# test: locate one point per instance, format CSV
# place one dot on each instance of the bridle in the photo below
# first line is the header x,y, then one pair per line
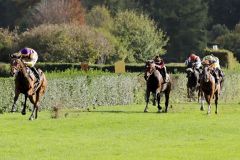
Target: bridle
x,y
206,74
150,68
15,66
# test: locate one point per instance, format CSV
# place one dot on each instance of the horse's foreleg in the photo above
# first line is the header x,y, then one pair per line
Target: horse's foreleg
x,y
158,101
14,106
24,105
33,101
202,100
208,99
37,104
166,101
154,99
216,102
188,92
147,100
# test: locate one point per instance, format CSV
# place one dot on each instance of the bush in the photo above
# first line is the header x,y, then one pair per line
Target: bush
x,y
6,44
4,70
66,43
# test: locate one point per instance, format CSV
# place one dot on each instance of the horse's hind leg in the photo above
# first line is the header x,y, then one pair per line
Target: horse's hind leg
x,y
166,102
147,100
24,105
158,101
37,104
14,106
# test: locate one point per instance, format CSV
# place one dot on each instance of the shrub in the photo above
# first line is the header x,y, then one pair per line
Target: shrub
x,y
6,44
139,37
66,43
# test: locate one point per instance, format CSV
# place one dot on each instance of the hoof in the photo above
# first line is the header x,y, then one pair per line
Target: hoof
x,y
202,109
159,111
23,113
145,110
31,119
12,111
216,112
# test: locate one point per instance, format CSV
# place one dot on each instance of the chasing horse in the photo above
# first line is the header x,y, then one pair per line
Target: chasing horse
x,y
26,81
156,84
209,87
193,71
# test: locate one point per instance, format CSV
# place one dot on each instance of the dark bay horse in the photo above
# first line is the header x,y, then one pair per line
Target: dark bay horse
x,y
193,83
24,83
209,89
156,85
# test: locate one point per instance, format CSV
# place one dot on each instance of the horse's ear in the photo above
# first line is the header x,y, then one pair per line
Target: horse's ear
x,y
11,56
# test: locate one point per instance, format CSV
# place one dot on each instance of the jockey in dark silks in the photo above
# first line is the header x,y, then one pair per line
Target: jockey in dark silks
x,y
160,66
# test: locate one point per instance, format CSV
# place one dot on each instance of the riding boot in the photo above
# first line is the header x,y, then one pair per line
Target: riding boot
x,y
216,76
36,74
164,74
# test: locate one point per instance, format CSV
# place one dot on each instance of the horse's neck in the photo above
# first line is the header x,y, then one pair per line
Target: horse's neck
x,y
24,71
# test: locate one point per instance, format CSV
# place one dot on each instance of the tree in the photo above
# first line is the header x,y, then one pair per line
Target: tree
x,y
217,30
100,17
231,41
57,12
12,11
184,21
139,35
225,12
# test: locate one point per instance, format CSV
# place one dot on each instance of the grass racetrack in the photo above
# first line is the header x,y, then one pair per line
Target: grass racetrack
x,y
123,132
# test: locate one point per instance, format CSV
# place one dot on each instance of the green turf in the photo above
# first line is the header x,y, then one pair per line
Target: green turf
x,y
122,133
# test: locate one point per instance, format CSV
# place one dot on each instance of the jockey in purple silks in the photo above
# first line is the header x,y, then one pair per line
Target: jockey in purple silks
x,y
29,57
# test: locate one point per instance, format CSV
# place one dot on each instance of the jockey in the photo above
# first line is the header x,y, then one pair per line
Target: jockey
x,y
193,61
214,65
160,66
29,57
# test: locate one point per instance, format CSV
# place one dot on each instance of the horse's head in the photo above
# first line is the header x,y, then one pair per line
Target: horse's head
x,y
15,66
189,72
149,69
206,74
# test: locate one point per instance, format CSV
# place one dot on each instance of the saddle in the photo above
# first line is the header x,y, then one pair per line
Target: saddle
x,y
34,74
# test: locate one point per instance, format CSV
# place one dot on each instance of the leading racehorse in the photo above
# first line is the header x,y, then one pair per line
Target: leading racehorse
x,y
24,83
209,89
156,85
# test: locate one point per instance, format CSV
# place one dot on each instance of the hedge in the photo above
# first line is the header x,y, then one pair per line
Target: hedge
x,y
51,67
111,89
226,58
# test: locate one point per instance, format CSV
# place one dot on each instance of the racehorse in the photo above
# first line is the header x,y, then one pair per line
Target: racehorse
x,y
24,83
193,83
209,89
156,85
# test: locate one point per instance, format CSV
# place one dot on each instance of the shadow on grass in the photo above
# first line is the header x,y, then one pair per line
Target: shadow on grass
x,y
123,112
